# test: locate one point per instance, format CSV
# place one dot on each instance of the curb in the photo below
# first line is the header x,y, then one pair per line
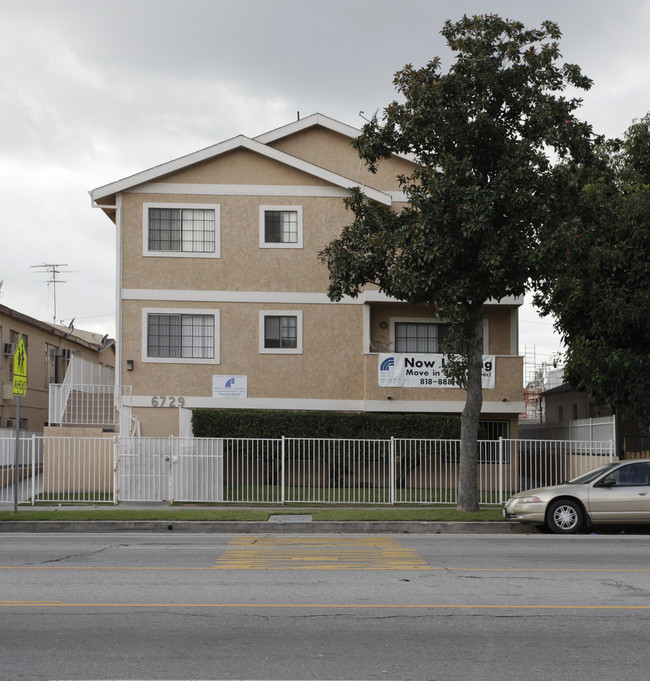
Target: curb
x,y
267,527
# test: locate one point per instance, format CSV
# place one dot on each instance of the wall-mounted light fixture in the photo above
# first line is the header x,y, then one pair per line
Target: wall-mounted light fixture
x,y
129,365
383,325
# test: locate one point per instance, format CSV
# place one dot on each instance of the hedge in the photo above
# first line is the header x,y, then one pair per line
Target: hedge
x,y
254,423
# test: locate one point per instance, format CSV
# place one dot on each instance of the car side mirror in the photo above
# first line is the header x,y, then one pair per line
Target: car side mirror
x,y
606,482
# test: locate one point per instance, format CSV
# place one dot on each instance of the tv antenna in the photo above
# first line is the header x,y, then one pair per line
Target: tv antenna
x,y
52,269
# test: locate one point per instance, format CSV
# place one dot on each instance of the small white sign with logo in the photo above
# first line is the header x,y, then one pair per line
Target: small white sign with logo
x,y
229,387
420,370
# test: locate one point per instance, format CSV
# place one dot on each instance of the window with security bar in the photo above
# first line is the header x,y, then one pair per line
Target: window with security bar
x,y
188,336
280,226
182,230
420,336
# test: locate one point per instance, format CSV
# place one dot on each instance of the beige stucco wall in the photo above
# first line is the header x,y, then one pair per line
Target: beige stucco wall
x,y
328,368
243,265
334,151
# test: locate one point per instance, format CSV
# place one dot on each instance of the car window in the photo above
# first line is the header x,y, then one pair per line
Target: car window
x,y
631,475
593,474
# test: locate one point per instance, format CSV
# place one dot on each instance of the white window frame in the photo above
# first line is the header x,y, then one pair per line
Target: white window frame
x,y
146,311
281,313
264,243
181,254
429,320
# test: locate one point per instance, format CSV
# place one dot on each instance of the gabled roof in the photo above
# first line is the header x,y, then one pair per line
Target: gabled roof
x,y
257,145
309,122
89,339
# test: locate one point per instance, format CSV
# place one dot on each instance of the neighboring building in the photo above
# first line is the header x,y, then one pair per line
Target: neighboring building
x,y
569,414
221,299
50,350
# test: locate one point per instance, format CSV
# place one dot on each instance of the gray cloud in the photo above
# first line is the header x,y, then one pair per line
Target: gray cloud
x,y
94,91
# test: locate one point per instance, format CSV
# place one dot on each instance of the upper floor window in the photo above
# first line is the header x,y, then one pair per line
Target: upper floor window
x,y
281,226
181,335
181,230
281,332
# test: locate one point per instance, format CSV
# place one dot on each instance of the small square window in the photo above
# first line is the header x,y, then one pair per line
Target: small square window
x,y
280,226
281,332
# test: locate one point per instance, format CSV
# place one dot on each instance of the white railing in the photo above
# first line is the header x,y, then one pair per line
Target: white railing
x,y
86,404
285,470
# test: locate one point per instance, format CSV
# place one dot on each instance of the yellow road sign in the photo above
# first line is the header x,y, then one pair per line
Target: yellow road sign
x,y
20,369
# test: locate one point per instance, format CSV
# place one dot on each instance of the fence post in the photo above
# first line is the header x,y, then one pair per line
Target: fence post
x,y
116,460
171,475
611,450
392,470
282,463
33,468
500,470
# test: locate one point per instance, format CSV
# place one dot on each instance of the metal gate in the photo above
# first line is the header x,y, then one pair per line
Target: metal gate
x,y
169,469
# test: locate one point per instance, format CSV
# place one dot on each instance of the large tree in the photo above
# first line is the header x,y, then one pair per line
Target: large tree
x,y
600,295
487,137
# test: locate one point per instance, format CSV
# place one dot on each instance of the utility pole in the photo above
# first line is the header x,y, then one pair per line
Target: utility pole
x,y
52,270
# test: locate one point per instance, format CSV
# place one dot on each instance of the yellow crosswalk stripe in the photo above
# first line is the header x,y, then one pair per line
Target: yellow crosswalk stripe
x,y
319,553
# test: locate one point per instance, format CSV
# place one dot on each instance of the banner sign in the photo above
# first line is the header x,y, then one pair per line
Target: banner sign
x,y
420,370
229,387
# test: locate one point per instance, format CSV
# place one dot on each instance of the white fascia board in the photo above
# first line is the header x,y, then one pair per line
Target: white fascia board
x,y
323,121
166,168
308,122
240,142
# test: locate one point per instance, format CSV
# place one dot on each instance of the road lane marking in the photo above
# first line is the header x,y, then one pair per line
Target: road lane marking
x,y
210,568
322,606
319,553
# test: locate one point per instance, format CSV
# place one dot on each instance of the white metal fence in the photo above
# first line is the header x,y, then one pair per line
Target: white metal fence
x,y
282,471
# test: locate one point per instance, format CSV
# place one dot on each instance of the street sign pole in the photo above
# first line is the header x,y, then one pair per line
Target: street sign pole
x,y
20,388
16,454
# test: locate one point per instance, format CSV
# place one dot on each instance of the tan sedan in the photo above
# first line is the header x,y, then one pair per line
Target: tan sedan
x,y
618,492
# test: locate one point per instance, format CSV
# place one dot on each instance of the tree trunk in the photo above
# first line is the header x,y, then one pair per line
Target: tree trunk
x,y
468,485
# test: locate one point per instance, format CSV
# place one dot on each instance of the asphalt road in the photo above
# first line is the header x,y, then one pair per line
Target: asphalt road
x,y
418,607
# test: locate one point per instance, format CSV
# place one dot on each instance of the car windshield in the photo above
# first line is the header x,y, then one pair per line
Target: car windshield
x,y
592,475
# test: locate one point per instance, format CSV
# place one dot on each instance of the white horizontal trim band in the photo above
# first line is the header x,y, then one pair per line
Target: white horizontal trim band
x,y
446,407
232,297
267,297
239,190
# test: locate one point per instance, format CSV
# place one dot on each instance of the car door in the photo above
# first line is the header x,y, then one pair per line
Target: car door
x,y
627,499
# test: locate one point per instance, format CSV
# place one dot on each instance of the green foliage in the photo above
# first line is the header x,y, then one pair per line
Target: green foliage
x,y
483,191
599,289
249,423
483,184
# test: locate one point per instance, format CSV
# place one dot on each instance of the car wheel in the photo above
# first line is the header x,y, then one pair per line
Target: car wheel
x,y
564,517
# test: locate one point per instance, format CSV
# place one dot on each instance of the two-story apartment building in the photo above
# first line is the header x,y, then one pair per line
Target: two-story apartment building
x,y
50,349
221,297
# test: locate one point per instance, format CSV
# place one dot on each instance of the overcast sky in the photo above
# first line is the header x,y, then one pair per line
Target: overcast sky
x,y
91,92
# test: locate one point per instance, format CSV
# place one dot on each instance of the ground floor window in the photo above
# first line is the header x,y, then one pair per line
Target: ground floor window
x,y
280,332
181,335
